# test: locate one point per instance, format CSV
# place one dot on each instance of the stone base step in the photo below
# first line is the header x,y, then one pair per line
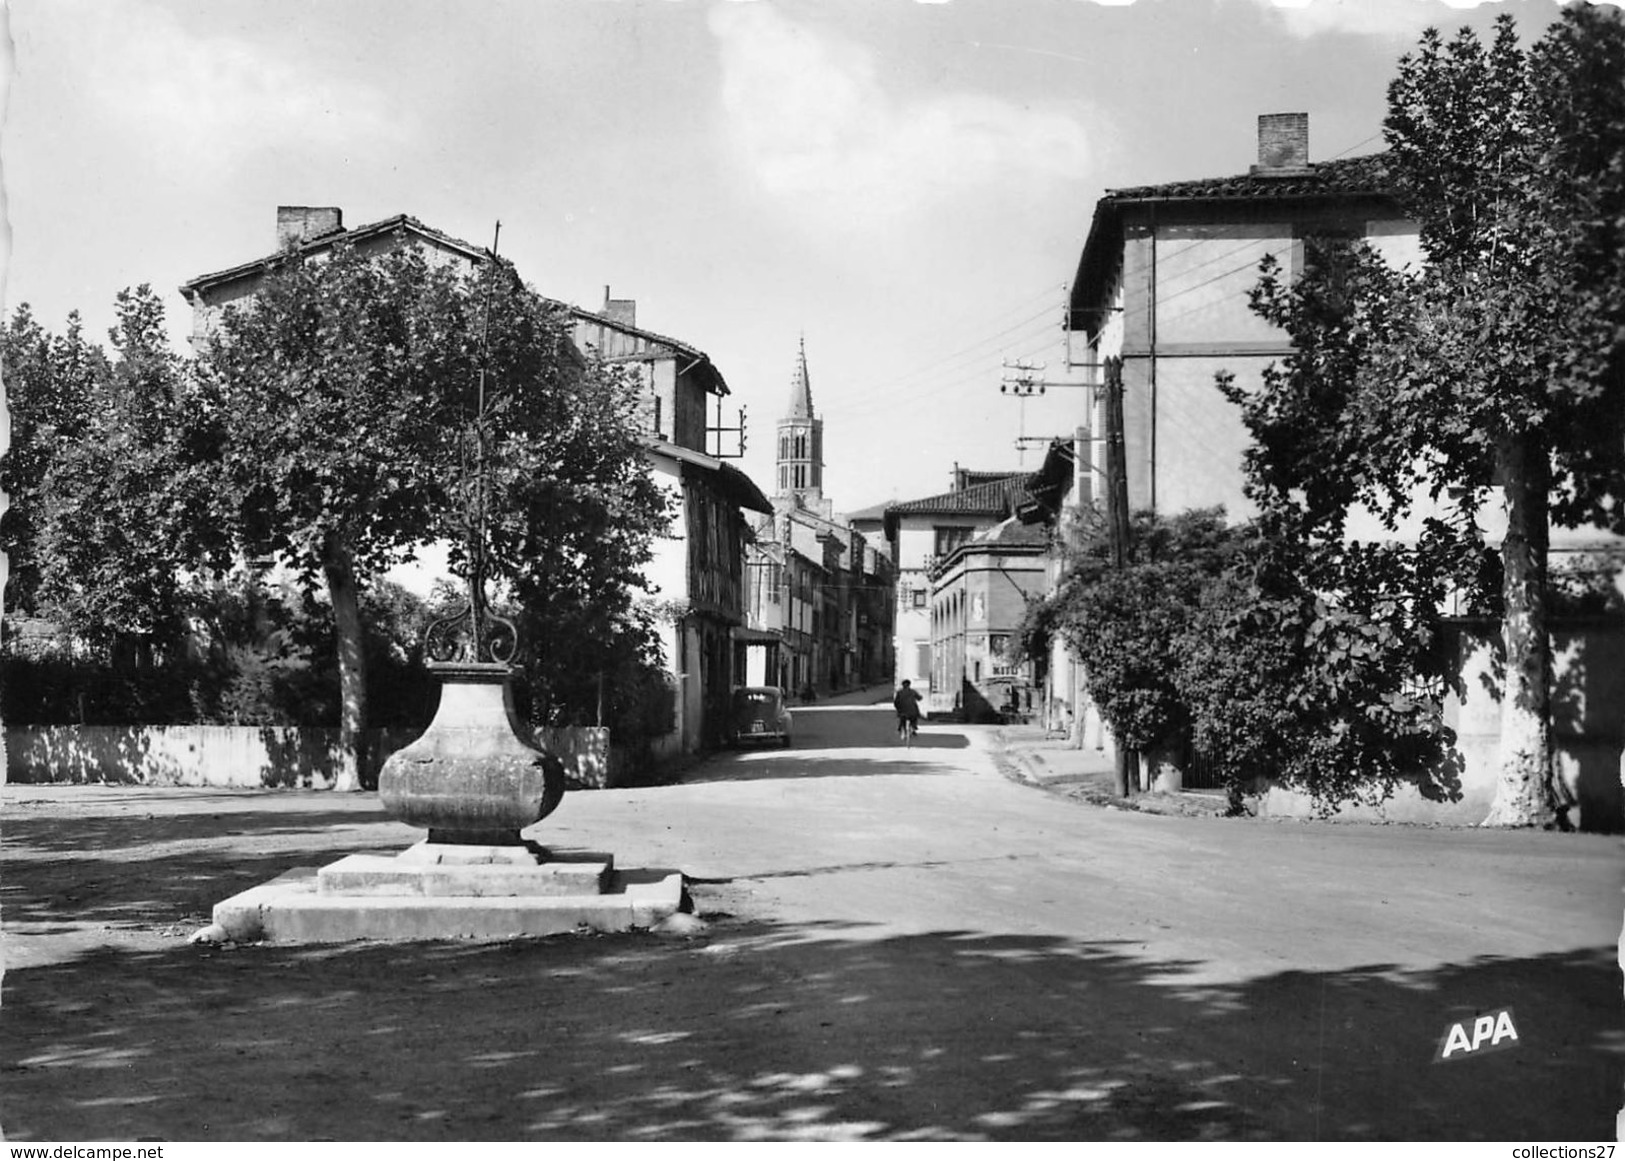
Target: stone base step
x,y
391,875
293,909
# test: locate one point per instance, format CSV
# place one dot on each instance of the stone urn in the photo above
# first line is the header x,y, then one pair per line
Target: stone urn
x,y
475,776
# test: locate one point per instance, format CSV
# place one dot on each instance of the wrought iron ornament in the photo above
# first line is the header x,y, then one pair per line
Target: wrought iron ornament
x,y
476,635
467,637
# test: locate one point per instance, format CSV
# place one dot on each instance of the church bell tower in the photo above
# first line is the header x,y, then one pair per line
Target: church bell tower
x,y
801,442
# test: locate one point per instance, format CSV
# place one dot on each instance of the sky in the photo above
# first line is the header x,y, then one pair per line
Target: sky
x,y
903,186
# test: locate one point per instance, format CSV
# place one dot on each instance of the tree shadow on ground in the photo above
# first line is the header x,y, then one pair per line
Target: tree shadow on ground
x,y
761,1032
752,1031
111,833
155,870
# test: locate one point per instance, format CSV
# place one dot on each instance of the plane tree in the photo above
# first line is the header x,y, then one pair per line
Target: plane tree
x,y
1494,374
116,492
51,385
357,398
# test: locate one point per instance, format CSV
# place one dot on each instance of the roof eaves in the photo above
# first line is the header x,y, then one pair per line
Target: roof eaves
x,y
1344,178
735,484
715,383
995,498
990,496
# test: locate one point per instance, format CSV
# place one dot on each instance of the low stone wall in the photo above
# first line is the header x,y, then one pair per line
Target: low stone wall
x,y
1589,772
225,756
250,756
1588,740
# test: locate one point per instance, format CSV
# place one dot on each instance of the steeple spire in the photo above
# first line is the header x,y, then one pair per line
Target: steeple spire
x,y
801,387
801,440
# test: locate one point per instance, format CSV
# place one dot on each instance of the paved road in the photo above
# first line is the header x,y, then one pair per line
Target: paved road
x,y
903,944
849,827
1368,941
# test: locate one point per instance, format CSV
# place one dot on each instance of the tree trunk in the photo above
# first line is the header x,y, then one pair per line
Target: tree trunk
x,y
1080,706
1523,789
346,597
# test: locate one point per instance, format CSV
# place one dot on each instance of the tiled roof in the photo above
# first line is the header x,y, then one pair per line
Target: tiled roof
x,y
701,361
994,498
1343,177
714,382
1353,179
998,498
324,241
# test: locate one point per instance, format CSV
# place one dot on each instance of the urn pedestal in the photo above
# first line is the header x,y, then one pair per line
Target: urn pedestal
x,y
474,778
474,782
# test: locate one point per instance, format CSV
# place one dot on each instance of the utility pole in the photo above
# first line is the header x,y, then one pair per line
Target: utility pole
x,y
1026,381
1117,527
1116,465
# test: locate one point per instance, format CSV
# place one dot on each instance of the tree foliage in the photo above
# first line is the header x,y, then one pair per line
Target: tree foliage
x,y
368,406
123,502
1337,696
52,382
330,426
1493,374
1211,637
1128,626
259,653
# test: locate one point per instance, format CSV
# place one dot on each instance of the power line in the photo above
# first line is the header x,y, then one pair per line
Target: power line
x,y
973,350
944,386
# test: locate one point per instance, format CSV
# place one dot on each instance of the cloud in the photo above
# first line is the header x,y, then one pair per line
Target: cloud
x,y
813,122
211,98
1379,18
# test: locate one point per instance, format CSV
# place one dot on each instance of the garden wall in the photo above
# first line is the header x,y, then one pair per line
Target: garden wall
x,y
253,756
1588,739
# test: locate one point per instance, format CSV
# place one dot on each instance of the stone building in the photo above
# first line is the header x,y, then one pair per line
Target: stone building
x,y
921,536
1163,283
979,596
697,576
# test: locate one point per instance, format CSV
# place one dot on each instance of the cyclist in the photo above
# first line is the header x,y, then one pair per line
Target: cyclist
x,y
907,705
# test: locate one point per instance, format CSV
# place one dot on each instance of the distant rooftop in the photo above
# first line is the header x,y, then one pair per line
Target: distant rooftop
x,y
995,497
332,236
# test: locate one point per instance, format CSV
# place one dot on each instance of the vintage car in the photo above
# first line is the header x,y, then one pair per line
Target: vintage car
x,y
759,714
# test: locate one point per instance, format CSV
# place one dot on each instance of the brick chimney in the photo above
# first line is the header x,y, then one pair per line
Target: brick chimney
x,y
621,310
296,224
1283,143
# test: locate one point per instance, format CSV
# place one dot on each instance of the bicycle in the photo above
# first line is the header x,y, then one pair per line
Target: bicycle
x,y
906,729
